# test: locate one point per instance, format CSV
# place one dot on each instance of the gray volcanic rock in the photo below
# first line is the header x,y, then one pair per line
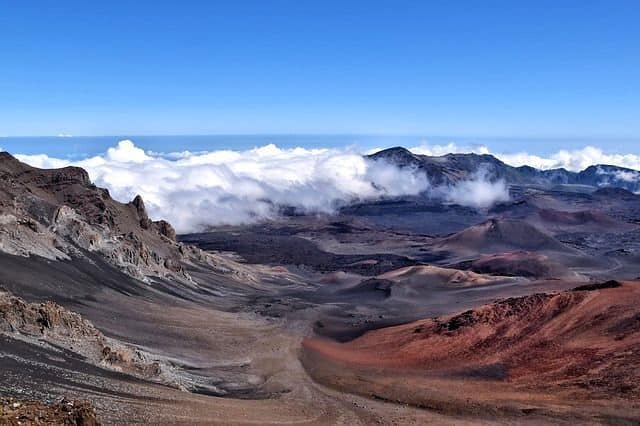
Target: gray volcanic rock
x,y
59,214
164,228
51,323
141,210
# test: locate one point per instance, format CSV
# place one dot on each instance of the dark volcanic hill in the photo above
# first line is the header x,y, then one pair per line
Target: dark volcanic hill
x,y
451,168
497,235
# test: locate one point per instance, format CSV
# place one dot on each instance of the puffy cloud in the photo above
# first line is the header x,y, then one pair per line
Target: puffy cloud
x,y
127,152
620,175
479,191
195,190
450,148
573,160
42,161
627,175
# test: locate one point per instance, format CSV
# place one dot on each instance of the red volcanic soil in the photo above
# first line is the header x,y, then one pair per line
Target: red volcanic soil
x,y
520,263
541,350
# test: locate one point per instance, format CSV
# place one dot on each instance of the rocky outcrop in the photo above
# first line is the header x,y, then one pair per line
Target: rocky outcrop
x,y
65,412
51,323
131,251
59,214
141,211
164,228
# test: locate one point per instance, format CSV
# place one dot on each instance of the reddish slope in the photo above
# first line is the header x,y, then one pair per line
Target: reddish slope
x,y
574,345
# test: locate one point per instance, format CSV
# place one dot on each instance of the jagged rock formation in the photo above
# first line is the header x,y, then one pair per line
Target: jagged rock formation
x,y
60,214
51,323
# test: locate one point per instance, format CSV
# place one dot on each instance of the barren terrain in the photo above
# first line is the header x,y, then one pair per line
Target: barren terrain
x,y
398,311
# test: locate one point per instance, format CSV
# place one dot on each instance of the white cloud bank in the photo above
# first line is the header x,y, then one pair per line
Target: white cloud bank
x,y
572,160
195,190
478,192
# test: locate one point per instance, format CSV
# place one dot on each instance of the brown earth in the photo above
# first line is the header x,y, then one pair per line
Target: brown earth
x,y
564,352
225,328
68,413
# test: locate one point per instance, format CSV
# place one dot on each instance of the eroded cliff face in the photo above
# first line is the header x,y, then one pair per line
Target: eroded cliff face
x,y
59,214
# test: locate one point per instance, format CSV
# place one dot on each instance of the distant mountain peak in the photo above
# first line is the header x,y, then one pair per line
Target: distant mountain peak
x,y
393,151
397,155
453,167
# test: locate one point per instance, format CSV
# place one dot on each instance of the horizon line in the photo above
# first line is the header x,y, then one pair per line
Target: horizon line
x,y
337,134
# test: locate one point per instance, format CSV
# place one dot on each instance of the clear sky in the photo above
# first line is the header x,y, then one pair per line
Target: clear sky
x,y
543,69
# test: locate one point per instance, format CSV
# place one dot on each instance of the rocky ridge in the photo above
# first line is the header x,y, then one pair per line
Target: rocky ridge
x,y
451,168
59,214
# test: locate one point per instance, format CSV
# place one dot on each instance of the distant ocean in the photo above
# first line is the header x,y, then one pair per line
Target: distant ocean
x,y
74,147
84,146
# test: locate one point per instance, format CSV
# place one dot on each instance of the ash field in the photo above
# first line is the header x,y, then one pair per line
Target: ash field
x,y
398,310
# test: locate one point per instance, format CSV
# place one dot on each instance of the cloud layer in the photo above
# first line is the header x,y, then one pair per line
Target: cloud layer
x,y
572,160
196,190
479,191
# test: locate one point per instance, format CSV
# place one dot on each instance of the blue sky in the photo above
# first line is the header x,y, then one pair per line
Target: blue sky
x,y
537,69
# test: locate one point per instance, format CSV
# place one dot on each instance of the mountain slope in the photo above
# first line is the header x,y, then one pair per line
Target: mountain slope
x,y
540,352
451,168
500,235
60,214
